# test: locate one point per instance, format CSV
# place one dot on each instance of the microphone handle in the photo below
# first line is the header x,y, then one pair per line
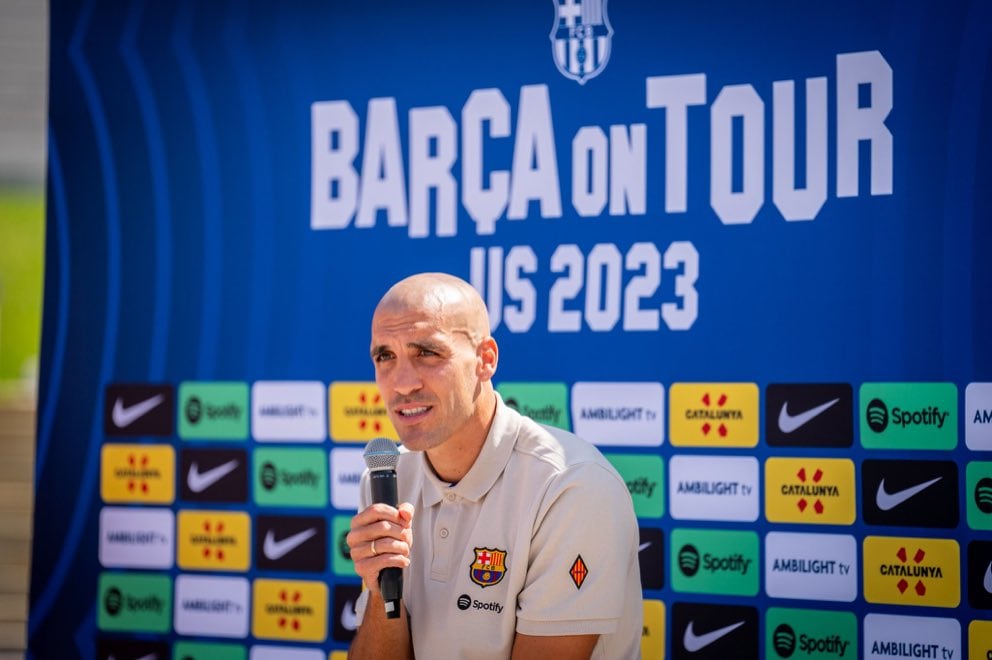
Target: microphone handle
x,y
383,483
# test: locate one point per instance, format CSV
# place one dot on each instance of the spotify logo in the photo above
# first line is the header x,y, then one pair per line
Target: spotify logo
x,y
784,640
194,410
464,602
269,476
112,601
983,495
688,560
878,415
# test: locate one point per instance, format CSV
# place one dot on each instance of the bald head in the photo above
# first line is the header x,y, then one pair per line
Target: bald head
x,y
451,300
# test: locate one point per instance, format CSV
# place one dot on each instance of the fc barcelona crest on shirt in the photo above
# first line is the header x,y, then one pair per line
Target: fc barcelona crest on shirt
x,y
581,38
489,566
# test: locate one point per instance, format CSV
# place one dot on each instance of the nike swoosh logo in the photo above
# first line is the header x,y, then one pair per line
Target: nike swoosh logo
x,y
886,501
788,423
644,546
693,642
200,481
278,549
125,416
349,620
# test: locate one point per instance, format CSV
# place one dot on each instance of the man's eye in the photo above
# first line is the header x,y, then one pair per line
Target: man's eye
x,y
382,357
427,352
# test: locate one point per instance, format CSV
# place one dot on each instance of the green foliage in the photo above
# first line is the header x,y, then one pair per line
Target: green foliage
x,y
22,247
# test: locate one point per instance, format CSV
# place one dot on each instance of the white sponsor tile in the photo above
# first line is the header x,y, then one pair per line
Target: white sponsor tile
x,y
619,414
289,411
347,466
894,636
133,537
978,416
713,488
215,606
811,566
284,653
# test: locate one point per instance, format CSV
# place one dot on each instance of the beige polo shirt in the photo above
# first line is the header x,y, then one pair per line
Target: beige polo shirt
x,y
539,537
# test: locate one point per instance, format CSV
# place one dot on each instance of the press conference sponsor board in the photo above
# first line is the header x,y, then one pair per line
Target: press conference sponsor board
x,y
137,538
766,199
208,651
212,606
265,652
810,634
620,414
811,566
899,636
288,411
347,466
713,488
978,416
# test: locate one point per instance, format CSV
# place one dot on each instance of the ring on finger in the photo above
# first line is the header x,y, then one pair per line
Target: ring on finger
x,y
374,553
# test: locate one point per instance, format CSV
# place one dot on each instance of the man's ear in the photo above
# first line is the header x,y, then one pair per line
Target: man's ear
x,y
488,353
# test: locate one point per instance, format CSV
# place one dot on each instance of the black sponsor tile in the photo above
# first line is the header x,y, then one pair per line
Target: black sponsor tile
x,y
718,632
809,415
213,475
131,649
651,557
910,493
344,624
291,543
980,574
139,410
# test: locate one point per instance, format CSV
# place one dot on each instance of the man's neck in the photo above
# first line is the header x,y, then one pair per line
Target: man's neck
x,y
453,459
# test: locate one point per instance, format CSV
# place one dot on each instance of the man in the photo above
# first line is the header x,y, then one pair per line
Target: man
x,y
516,540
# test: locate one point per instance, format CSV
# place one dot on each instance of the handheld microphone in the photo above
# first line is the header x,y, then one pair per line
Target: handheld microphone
x,y
381,457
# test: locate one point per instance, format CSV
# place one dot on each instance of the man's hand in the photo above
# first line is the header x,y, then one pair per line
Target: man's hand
x,y
380,537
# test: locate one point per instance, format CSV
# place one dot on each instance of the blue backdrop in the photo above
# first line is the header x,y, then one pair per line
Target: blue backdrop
x,y
662,193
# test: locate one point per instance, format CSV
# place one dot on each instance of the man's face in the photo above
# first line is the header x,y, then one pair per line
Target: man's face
x,y
427,373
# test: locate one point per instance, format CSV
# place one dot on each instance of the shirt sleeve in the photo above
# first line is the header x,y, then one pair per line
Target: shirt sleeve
x,y
582,552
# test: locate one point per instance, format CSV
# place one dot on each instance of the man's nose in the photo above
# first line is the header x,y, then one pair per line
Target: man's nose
x,y
406,378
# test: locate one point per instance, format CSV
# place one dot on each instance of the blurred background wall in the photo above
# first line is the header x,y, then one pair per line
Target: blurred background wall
x,y
23,104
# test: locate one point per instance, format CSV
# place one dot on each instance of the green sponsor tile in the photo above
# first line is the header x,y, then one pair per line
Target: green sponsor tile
x,y
546,403
909,415
644,475
290,477
213,411
340,561
714,562
978,494
812,634
208,651
134,602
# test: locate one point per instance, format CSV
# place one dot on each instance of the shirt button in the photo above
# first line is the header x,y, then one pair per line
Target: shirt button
x,y
451,497
444,532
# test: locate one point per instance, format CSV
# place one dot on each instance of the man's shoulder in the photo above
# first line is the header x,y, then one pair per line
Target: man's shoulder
x,y
561,450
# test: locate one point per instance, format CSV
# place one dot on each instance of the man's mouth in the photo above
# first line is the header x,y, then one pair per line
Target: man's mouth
x,y
411,412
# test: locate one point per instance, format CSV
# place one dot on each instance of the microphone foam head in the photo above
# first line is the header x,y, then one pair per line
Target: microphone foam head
x,y
381,454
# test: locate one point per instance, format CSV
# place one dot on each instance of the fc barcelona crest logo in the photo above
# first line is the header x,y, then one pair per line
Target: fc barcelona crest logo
x,y
489,567
581,38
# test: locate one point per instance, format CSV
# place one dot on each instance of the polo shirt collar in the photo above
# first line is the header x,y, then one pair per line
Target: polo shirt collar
x,y
488,466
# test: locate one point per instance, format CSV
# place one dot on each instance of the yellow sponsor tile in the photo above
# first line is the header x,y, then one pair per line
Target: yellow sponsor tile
x,y
980,640
653,635
912,571
713,414
818,491
294,610
338,655
142,474
358,413
214,540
